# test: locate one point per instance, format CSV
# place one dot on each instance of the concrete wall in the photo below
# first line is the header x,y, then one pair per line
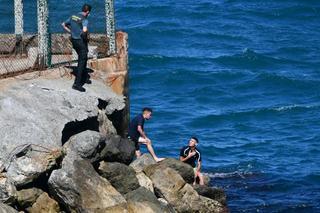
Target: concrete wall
x,y
113,71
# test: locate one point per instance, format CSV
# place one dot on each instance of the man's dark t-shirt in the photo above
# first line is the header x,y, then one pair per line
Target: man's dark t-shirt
x,y
184,152
133,127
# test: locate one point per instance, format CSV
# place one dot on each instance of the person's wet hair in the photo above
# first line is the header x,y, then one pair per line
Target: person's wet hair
x,y
86,8
147,109
195,138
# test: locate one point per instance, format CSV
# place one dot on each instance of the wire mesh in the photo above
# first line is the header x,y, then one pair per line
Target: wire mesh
x,y
20,52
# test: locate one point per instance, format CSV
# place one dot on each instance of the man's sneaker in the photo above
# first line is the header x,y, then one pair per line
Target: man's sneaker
x,y
79,88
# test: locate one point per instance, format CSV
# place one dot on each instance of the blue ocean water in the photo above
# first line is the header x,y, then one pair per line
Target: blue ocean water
x,y
243,76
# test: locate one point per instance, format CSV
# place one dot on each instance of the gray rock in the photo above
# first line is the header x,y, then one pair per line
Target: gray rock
x,y
7,209
27,197
185,170
213,193
28,165
47,111
142,199
206,179
140,163
165,204
181,195
144,181
122,177
44,204
7,190
79,188
106,127
85,144
118,149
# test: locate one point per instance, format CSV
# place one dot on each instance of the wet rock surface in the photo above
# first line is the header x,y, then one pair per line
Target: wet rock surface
x,y
211,192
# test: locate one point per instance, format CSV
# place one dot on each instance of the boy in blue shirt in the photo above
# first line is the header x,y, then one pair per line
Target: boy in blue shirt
x,y
137,134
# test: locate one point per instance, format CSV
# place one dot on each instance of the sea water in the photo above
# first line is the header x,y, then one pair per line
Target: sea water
x,y
242,76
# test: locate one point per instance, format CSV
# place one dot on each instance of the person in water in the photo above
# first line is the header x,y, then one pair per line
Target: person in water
x,y
137,134
77,26
192,156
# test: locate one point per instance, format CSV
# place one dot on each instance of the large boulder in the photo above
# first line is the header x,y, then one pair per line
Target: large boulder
x,y
144,181
7,209
32,161
121,176
181,195
213,193
85,144
79,188
118,149
27,197
140,163
142,199
44,204
184,169
46,112
206,179
7,190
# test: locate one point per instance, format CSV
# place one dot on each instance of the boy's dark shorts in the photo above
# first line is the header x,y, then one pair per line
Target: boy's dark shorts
x,y
136,143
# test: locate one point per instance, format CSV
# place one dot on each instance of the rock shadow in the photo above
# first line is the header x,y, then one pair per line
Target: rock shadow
x,y
75,127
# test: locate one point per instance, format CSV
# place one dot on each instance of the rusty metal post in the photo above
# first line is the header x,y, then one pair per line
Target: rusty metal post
x,y
110,26
18,25
44,50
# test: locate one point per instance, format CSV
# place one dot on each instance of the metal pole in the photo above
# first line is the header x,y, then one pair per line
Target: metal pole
x,y
110,26
44,56
18,26
18,17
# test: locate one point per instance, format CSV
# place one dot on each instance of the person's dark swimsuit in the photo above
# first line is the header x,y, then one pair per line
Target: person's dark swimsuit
x,y
184,152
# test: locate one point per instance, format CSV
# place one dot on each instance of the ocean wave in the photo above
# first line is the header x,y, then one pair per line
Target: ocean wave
x,y
208,120
235,174
251,59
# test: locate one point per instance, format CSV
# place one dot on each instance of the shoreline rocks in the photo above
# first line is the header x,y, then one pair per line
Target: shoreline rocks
x,y
69,158
79,188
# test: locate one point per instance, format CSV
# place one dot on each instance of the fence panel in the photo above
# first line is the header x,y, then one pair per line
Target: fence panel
x,y
25,45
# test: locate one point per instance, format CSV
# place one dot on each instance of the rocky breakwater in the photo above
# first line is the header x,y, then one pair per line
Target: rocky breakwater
x,y
60,152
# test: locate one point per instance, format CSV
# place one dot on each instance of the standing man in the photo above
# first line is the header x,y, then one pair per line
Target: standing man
x,y
77,25
192,156
137,134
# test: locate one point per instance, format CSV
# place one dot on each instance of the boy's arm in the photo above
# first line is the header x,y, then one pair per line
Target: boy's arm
x,y
199,166
142,133
66,25
182,158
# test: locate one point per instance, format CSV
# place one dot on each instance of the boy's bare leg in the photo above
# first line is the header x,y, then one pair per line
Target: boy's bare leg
x,y
138,153
201,181
150,149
